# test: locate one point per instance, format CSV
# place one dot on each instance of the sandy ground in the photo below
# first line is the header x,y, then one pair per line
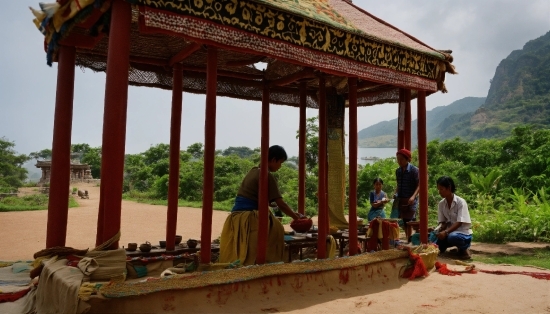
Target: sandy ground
x,y
23,233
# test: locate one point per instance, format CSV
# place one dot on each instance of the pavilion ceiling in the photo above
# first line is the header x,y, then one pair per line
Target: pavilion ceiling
x,y
336,40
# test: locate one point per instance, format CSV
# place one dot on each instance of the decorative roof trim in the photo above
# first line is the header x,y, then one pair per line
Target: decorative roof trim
x,y
278,25
377,69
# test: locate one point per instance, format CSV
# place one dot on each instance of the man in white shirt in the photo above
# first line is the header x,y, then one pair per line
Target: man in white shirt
x,y
455,226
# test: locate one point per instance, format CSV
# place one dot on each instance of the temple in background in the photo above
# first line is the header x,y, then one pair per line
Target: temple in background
x,y
79,172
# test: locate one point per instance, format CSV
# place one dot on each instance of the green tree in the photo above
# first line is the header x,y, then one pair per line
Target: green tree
x,y
156,153
12,173
191,180
241,151
312,144
229,172
92,157
527,163
137,175
80,150
196,150
43,154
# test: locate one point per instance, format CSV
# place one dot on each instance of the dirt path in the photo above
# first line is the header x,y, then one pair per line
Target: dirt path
x,y
23,233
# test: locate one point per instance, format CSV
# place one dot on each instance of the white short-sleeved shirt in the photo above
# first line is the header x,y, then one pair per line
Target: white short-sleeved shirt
x,y
457,213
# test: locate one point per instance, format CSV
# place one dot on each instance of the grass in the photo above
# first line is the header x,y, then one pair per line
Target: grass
x,y
29,203
540,258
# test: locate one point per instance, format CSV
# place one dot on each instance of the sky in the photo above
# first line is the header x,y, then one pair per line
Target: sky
x,y
480,34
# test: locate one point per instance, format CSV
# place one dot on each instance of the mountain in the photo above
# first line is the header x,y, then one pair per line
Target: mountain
x,y
33,173
384,134
519,95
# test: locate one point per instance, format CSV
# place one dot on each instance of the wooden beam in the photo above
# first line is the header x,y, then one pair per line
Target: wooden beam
x,y
422,165
174,166
209,153
400,133
305,73
263,189
184,53
114,121
322,174
302,150
408,118
81,41
58,204
352,112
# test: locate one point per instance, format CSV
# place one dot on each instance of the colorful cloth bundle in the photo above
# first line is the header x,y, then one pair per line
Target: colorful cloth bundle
x,y
54,20
384,230
416,268
444,270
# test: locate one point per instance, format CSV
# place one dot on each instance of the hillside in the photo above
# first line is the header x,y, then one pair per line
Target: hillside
x,y
384,134
519,93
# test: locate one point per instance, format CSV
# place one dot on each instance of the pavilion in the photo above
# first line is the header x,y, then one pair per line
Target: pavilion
x,y
324,54
79,172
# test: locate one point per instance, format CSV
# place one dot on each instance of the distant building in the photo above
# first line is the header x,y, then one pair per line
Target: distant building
x,y
79,172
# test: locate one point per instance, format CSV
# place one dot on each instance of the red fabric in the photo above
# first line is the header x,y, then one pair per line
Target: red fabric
x,y
72,260
444,270
528,273
417,269
405,152
385,235
372,243
13,296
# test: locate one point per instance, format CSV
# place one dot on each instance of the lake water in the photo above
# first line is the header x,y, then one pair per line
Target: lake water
x,y
373,152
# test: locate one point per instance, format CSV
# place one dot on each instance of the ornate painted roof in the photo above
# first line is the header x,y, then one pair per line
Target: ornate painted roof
x,y
332,37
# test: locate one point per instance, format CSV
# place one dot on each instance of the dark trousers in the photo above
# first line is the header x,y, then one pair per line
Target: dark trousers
x,y
461,241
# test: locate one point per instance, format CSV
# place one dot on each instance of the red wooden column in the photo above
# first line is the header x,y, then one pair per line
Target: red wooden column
x,y
423,166
352,110
302,151
58,203
408,119
209,153
400,111
263,202
114,120
322,187
174,177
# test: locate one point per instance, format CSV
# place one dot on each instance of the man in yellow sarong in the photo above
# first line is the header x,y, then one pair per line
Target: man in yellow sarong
x,y
239,238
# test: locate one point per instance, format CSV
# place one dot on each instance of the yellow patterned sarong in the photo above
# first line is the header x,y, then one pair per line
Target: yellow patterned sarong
x,y
239,239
